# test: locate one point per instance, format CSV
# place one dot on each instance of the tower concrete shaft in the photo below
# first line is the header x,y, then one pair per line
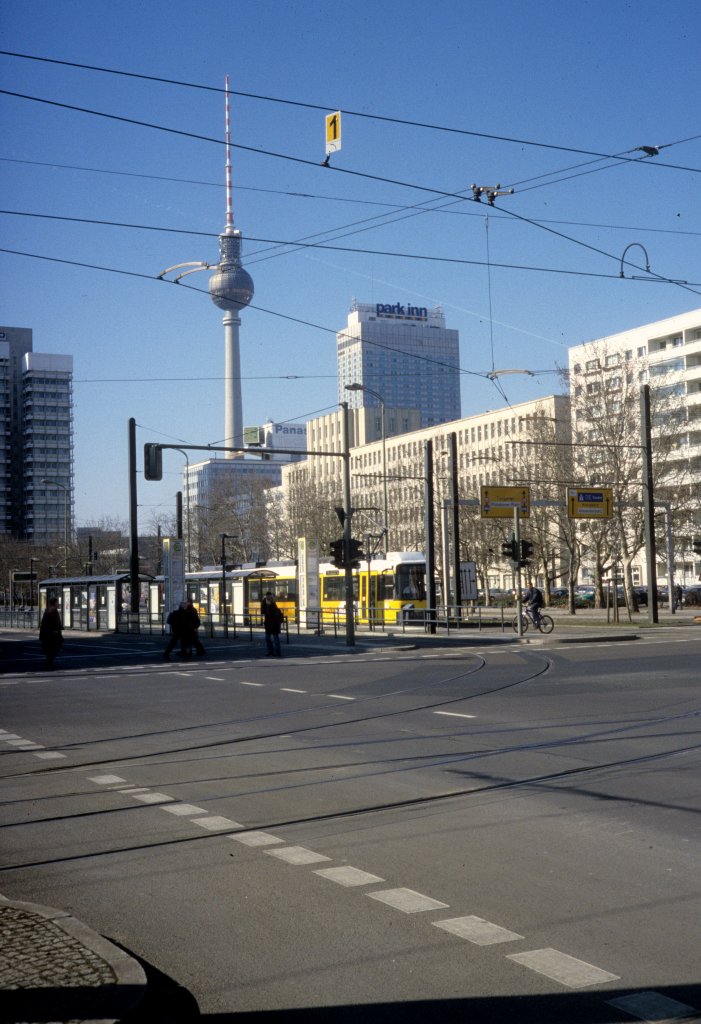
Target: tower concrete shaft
x,y
233,405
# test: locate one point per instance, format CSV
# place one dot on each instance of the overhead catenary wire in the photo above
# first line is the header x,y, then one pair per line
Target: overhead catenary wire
x,y
451,129
295,194
313,245
342,170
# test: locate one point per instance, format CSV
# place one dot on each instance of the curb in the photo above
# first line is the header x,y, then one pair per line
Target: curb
x,y
108,1000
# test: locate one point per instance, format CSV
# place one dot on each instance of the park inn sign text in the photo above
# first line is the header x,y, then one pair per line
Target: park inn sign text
x,y
400,312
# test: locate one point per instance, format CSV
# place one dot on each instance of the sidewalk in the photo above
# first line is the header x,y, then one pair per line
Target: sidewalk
x,y
54,968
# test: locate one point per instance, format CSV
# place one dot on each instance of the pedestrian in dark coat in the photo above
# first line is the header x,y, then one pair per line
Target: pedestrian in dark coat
x,y
51,632
193,624
178,622
272,623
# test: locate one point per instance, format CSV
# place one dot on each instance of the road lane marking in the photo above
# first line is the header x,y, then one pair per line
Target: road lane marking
x,y
216,679
477,930
563,968
296,855
257,839
184,809
153,798
49,755
406,900
453,714
288,689
339,696
348,876
214,823
249,684
653,1008
106,780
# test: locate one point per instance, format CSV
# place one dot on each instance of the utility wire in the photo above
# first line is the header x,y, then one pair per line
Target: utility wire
x,y
313,245
351,113
260,309
360,174
339,199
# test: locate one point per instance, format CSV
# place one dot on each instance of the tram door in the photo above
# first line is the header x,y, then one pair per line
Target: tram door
x,y
367,597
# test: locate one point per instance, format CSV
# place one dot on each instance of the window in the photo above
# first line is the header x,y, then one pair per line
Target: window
x,y
613,360
592,364
642,351
593,387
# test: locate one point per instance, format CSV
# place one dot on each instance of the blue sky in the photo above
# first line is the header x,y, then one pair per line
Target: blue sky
x,y
603,76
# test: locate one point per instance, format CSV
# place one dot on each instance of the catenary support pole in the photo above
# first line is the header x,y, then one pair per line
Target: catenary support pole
x,y
347,527
649,504
133,523
429,536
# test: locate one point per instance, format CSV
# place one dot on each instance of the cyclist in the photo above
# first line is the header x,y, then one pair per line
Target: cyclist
x,y
533,600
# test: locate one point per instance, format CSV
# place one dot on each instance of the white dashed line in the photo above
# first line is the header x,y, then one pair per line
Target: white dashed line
x,y
297,855
453,714
474,929
288,689
49,755
153,798
214,823
348,876
184,809
653,1008
563,968
257,839
216,679
106,780
242,683
406,900
339,696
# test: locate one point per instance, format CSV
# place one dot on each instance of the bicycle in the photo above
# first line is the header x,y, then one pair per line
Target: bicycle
x,y
546,624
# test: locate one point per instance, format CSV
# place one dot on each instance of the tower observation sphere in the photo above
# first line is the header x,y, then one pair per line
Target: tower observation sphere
x,y
230,286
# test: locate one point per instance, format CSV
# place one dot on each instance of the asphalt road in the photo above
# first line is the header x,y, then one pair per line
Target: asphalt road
x,y
476,833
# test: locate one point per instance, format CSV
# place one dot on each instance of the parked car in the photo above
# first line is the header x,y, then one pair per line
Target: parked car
x,y
640,595
692,596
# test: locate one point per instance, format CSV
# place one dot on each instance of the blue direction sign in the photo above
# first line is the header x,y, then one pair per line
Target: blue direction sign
x,y
589,502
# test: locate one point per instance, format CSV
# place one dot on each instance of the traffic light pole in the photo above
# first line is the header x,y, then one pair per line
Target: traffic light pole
x,y
517,552
347,527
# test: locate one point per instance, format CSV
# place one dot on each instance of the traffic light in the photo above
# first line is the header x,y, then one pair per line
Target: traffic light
x,y
153,462
696,545
356,554
509,550
337,558
526,553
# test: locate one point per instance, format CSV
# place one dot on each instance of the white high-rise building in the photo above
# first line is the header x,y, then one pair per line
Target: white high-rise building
x,y
666,355
36,451
406,354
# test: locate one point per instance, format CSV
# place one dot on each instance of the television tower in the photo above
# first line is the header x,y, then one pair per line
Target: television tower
x,y
231,289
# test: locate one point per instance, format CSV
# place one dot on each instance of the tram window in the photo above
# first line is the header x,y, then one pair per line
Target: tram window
x,y
335,588
385,587
281,589
411,583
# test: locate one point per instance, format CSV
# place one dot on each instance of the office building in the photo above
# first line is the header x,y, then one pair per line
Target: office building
x,y
608,373
36,451
406,354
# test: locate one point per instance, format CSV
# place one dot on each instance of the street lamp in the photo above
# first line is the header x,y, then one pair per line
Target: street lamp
x,y
380,399
56,483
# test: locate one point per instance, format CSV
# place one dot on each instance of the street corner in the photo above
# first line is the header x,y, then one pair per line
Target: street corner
x,y
57,968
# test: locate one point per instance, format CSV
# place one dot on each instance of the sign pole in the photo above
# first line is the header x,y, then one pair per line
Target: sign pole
x,y
517,545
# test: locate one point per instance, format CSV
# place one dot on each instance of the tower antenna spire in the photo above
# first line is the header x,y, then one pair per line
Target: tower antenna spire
x,y
229,197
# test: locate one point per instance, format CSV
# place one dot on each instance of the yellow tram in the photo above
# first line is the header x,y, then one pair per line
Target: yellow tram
x,y
383,590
